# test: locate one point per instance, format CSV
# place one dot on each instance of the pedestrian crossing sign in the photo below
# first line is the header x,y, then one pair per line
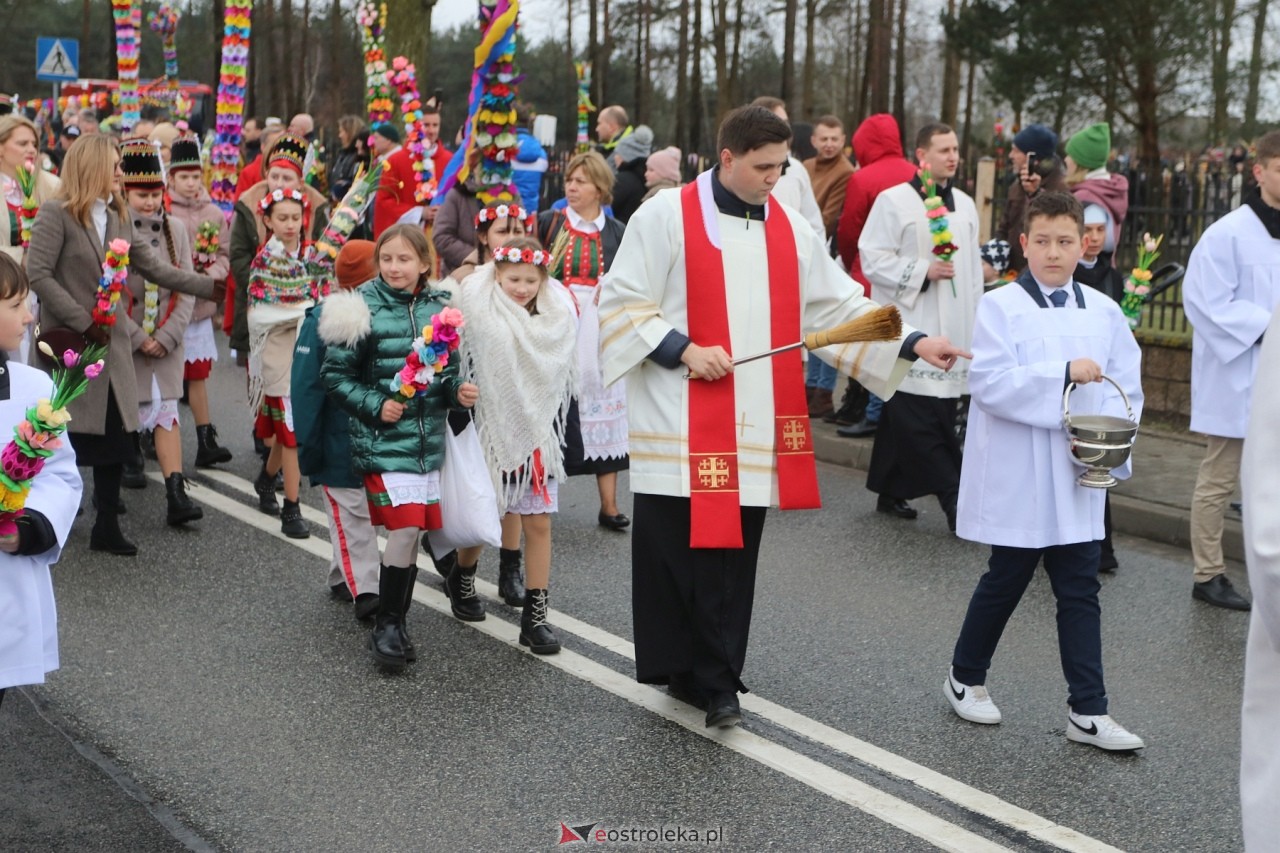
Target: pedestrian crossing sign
x,y
57,59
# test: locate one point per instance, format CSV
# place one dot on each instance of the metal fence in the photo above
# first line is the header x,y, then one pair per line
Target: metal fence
x,y
1180,204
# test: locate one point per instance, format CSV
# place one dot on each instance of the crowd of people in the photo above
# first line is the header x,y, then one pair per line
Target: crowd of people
x,y
508,346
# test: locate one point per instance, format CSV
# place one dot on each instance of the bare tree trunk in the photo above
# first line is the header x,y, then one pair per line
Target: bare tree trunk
x,y
876,81
810,56
428,6
593,50
606,53
735,75
855,101
217,13
284,33
270,86
966,149
308,69
682,79
695,106
1226,13
900,72
950,76
1255,71
335,62
720,43
790,11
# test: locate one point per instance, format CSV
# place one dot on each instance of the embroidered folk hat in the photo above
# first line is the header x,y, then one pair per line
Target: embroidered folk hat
x,y
185,154
140,161
290,150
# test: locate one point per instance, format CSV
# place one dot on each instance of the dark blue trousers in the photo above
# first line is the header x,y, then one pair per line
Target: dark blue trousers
x,y
1073,573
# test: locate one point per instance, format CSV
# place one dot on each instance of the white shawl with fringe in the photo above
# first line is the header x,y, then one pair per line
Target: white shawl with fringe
x,y
526,368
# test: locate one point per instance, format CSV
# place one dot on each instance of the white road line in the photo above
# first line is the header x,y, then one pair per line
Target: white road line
x,y
963,795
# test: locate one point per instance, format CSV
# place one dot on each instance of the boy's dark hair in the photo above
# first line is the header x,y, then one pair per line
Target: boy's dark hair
x,y
925,135
829,121
1051,205
769,102
13,281
751,127
1268,147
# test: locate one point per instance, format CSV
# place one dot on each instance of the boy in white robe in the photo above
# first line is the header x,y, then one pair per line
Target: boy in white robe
x,y
1229,293
1018,488
1260,717
711,271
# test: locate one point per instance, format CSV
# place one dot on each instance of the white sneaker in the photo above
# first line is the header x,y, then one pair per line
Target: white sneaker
x,y
1102,732
971,703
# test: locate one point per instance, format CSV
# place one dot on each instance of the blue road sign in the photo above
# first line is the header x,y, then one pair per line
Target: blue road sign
x,y
57,59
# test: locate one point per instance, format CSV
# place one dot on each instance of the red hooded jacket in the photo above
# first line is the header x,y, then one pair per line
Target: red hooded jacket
x,y
877,146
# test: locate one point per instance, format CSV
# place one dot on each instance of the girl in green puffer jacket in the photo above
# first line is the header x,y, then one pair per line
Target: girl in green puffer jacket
x,y
397,447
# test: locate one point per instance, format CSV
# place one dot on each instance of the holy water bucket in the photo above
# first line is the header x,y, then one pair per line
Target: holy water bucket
x,y
1099,442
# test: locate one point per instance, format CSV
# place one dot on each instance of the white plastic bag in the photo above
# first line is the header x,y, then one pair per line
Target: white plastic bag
x,y
468,503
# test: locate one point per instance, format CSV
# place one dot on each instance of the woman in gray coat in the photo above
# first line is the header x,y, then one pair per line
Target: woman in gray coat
x,y
64,263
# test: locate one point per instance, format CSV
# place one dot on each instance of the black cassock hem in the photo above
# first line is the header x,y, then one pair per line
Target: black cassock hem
x,y
691,608
916,451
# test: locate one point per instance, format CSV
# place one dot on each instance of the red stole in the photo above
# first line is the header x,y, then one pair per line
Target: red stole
x,y
716,520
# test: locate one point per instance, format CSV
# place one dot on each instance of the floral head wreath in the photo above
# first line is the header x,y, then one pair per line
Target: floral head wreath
x,y
501,211
276,196
512,255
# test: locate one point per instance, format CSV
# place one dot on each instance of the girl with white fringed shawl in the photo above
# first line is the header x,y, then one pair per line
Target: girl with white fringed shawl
x,y
520,347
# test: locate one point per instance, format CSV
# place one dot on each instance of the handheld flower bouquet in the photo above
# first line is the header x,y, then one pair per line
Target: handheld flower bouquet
x,y
936,211
428,356
27,215
207,244
115,272
37,436
1138,284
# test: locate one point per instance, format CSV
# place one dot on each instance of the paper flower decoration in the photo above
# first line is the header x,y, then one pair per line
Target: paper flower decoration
x,y
585,107
404,78
27,214
115,271
36,437
164,22
936,212
428,355
372,18
232,83
128,21
205,250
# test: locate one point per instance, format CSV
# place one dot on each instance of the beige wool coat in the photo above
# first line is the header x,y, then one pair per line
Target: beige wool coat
x,y
174,313
64,264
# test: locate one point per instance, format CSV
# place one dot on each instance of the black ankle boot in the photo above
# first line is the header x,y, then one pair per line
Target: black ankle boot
x,y
534,630
387,640
209,452
510,584
463,598
134,475
181,508
106,536
410,653
265,486
291,523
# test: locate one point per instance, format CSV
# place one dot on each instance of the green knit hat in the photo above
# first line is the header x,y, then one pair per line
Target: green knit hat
x,y
1091,147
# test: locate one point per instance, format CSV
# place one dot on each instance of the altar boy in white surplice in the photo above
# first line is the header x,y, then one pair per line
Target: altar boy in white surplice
x,y
712,271
1018,489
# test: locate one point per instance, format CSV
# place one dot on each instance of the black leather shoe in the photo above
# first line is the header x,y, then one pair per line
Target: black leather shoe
x,y
683,687
861,429
614,522
1219,592
366,604
1108,563
534,630
464,601
291,523
340,592
723,711
181,509
895,507
106,536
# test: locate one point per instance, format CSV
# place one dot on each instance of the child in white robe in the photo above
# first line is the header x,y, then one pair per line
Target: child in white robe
x,y
28,617
1018,484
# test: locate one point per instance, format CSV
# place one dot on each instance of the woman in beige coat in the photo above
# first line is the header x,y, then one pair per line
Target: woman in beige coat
x,y
64,264
19,148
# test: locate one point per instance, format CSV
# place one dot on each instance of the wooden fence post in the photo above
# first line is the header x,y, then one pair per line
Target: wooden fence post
x,y
984,194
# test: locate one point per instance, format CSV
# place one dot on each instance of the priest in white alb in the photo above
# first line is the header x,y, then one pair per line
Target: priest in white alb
x,y
917,451
706,273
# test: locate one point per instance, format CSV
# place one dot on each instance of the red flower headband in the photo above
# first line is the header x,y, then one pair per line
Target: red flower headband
x,y
276,196
501,211
512,255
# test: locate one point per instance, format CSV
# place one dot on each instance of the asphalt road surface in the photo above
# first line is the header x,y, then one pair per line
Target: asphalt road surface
x,y
212,696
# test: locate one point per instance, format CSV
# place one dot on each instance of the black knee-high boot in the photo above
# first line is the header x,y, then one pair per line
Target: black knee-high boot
x,y
106,535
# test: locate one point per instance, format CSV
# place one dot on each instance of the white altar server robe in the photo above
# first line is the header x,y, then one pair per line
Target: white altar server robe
x,y
28,618
1018,479
1260,723
1231,288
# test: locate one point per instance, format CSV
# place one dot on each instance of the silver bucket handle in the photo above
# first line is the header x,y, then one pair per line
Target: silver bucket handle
x,y
1071,386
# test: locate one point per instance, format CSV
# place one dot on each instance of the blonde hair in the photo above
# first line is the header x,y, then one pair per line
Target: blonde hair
x,y
596,170
88,171
10,124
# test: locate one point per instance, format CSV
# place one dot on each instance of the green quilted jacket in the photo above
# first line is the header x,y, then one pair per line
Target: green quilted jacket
x,y
368,333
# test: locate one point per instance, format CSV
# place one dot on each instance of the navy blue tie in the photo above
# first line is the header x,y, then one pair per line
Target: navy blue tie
x,y
1058,298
